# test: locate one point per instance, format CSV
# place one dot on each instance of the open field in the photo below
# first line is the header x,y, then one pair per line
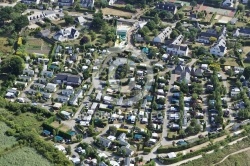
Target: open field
x,y
5,141
230,62
4,47
115,12
23,157
35,45
242,159
61,126
219,11
27,120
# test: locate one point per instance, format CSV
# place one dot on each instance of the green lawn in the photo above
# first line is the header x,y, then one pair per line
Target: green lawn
x,y
23,157
5,141
231,62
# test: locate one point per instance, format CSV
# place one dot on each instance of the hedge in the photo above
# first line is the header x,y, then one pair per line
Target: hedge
x,y
183,147
245,42
147,149
105,109
122,9
64,134
122,131
48,127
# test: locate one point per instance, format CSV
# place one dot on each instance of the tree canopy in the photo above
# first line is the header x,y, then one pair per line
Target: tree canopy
x,y
12,65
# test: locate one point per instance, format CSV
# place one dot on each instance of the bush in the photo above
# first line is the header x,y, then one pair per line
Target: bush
x,y
179,148
147,149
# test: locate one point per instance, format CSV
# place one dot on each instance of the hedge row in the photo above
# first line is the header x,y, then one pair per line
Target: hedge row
x,y
245,42
122,9
183,147
188,155
105,109
147,149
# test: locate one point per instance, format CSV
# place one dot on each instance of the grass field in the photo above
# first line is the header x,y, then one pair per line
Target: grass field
x,y
241,159
5,141
23,157
35,45
4,47
230,62
27,120
115,12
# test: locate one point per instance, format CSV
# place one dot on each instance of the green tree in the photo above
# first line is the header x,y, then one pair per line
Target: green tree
x,y
193,3
246,72
222,60
92,35
212,39
112,130
241,7
157,19
169,15
20,22
174,34
12,65
69,20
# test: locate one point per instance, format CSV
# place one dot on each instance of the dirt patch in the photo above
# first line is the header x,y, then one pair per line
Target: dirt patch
x,y
115,12
225,19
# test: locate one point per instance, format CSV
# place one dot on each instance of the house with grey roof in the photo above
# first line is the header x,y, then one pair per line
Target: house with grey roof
x,y
169,7
68,79
74,99
105,142
87,3
30,1
179,69
205,36
242,31
219,48
176,48
128,152
69,33
65,2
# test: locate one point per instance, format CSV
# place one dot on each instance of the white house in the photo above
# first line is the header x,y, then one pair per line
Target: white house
x,y
51,87
111,2
31,1
28,72
107,99
160,38
234,92
69,33
68,91
65,2
47,74
219,48
228,3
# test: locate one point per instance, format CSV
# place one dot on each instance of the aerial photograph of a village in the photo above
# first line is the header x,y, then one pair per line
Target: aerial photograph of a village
x,y
124,82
